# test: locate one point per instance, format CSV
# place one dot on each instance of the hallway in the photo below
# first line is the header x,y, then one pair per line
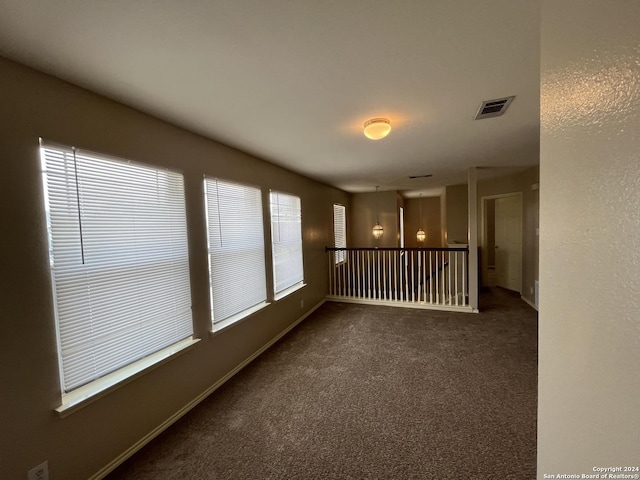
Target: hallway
x,y
360,391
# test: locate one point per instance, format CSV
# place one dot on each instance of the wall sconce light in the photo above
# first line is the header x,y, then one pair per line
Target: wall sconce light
x,y
421,236
377,128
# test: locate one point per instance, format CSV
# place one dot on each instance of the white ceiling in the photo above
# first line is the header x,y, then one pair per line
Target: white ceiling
x,y
294,81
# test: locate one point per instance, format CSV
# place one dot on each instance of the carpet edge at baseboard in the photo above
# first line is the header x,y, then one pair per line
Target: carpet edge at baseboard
x,y
529,302
120,459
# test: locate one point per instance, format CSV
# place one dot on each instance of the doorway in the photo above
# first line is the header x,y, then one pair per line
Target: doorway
x,y
502,241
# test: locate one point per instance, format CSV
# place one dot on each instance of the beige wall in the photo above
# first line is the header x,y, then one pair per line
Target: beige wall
x,y
589,330
525,182
400,203
490,231
362,218
365,208
443,217
456,211
429,222
76,447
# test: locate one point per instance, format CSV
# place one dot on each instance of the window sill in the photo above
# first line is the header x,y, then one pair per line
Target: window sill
x,y
237,318
289,291
83,396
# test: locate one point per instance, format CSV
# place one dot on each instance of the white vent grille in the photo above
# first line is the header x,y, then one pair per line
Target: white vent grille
x,y
493,108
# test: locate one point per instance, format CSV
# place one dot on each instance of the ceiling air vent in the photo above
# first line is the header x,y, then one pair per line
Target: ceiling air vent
x,y
493,108
421,176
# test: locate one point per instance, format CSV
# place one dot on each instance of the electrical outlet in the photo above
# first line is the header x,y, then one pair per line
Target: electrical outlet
x,y
301,303
41,472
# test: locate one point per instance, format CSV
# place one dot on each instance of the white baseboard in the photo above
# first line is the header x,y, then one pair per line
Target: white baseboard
x,y
388,303
103,472
529,302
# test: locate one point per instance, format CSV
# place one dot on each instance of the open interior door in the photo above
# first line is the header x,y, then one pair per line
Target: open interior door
x,y
508,242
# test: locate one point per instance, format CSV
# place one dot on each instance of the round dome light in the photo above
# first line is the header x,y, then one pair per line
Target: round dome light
x,y
377,128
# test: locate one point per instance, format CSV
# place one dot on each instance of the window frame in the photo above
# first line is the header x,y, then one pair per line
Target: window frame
x,y
340,255
297,285
217,325
93,173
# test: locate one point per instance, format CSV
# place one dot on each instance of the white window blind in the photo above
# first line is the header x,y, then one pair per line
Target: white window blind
x,y
236,248
119,261
286,235
340,231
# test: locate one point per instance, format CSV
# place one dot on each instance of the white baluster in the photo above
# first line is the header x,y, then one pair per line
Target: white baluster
x,y
332,259
413,277
352,270
424,276
390,274
436,274
378,274
464,278
405,295
418,282
456,276
449,272
441,276
359,277
395,275
384,276
369,272
430,277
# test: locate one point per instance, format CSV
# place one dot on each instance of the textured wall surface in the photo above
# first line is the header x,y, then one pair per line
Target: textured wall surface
x,y
589,387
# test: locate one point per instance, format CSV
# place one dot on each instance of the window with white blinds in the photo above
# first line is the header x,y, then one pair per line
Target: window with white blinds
x,y
286,237
119,261
236,249
339,231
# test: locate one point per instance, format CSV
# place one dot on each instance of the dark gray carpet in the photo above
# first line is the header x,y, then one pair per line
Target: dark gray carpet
x,y
366,392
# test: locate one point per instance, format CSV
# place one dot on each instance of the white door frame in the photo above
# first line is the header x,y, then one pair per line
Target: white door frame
x,y
484,272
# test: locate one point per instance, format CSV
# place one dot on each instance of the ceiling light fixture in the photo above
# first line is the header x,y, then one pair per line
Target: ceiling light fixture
x,y
377,128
